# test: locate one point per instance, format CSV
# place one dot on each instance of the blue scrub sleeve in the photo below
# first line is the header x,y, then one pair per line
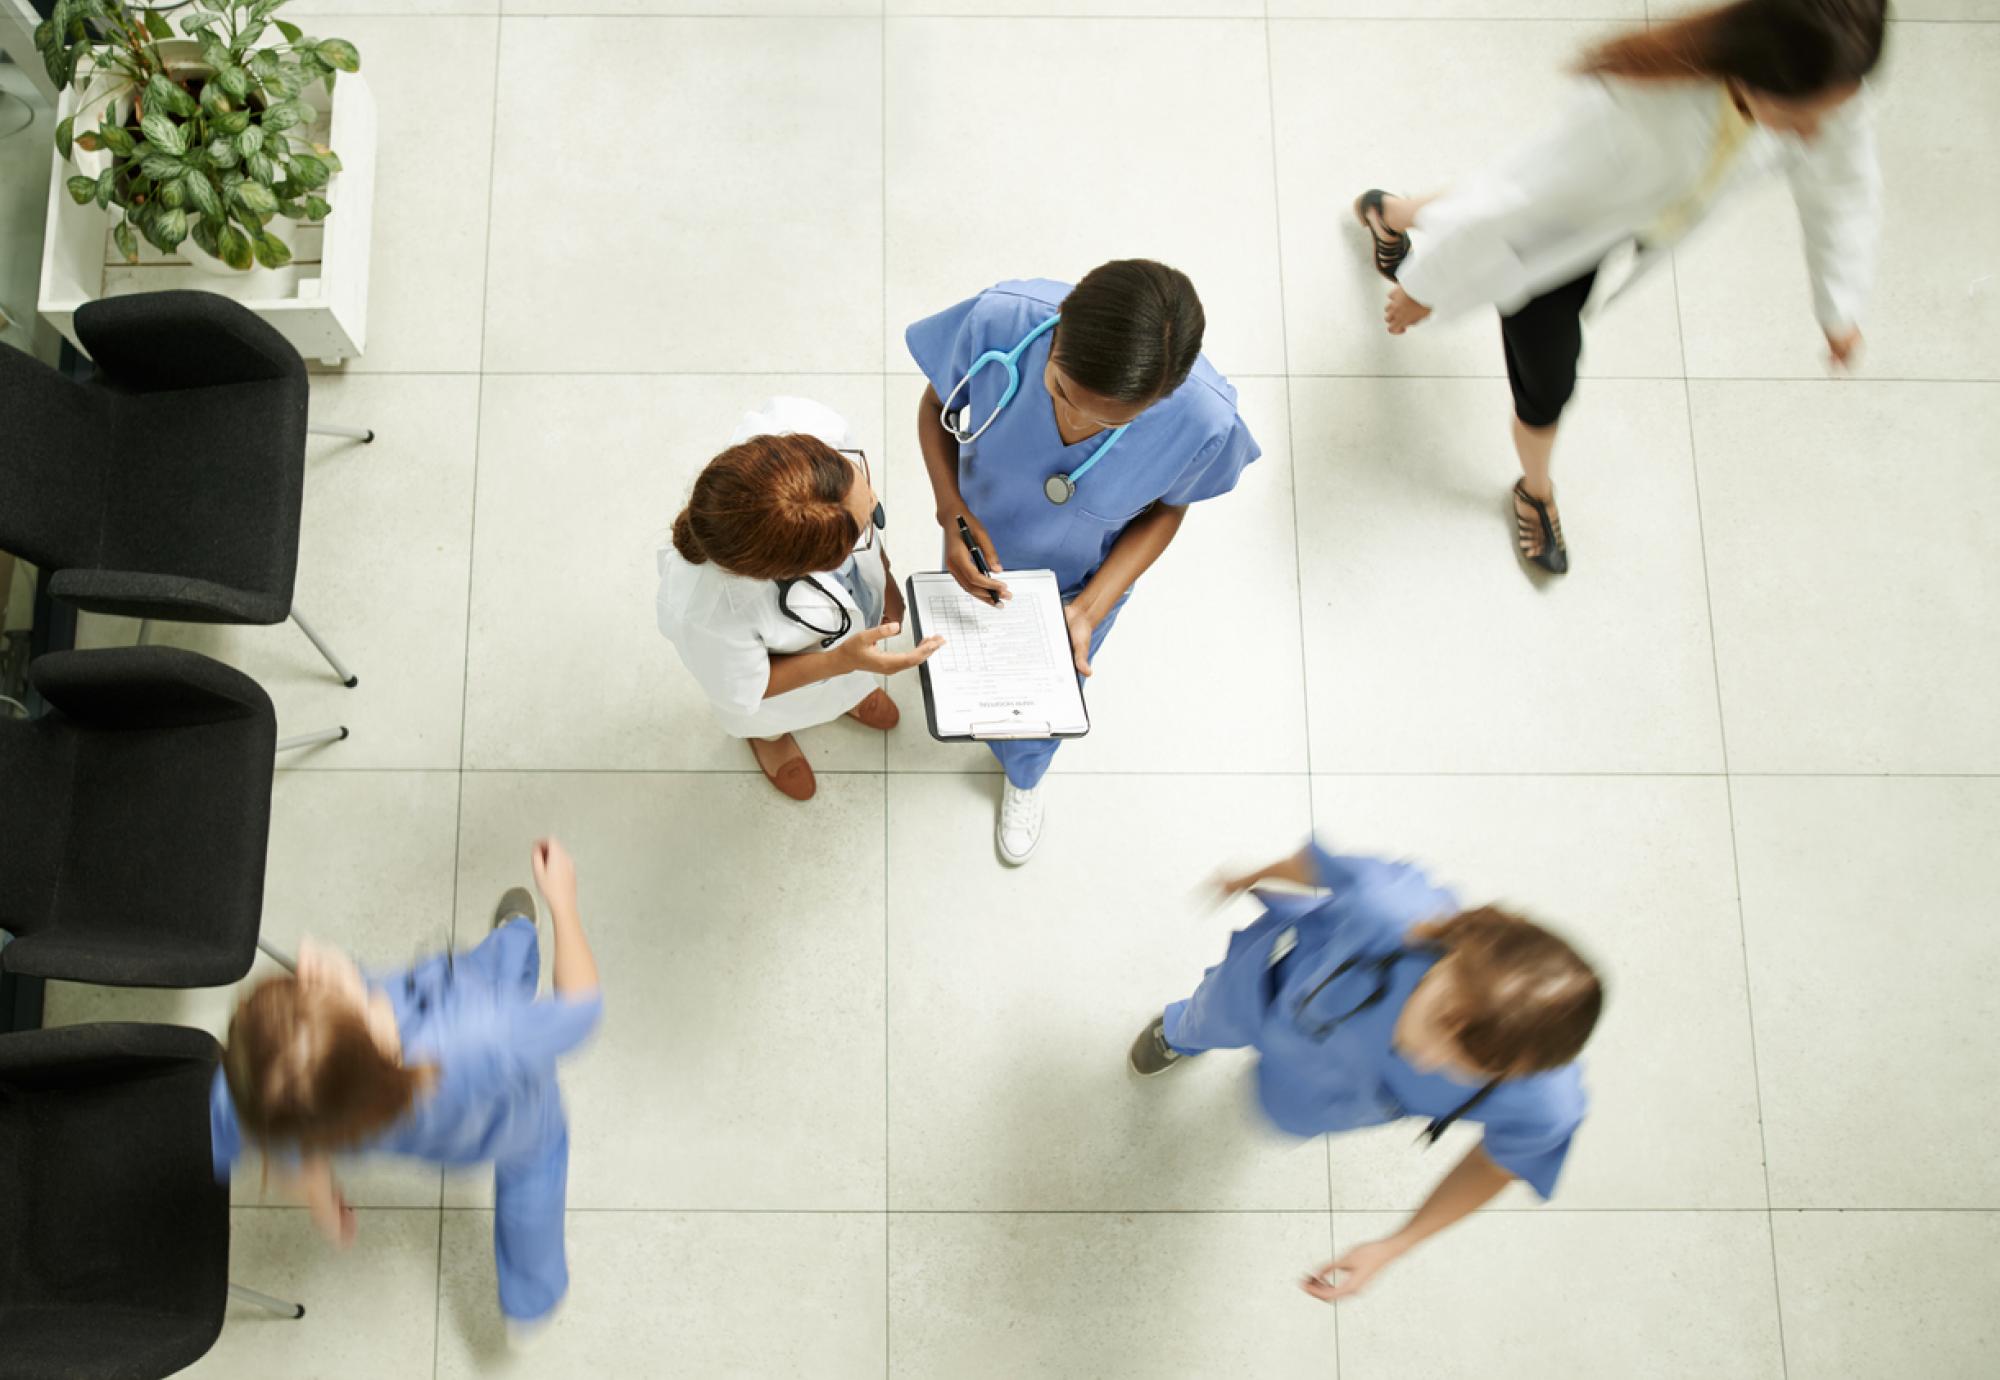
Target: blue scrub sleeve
x,y
1401,892
225,1133
1532,1144
1216,468
943,345
541,1032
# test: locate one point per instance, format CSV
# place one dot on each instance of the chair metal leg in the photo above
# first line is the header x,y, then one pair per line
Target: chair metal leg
x,y
277,955
145,632
306,740
347,677
364,434
290,1310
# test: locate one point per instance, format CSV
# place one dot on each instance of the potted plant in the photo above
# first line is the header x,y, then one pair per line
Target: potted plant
x,y
202,138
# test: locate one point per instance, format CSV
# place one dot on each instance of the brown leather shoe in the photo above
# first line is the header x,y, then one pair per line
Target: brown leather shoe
x,y
878,711
791,774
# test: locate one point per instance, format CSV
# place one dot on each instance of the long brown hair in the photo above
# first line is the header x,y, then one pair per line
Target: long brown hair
x,y
1523,999
772,508
1787,48
305,1071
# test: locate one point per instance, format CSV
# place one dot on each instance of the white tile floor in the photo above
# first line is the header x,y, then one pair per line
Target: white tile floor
x,y
859,1106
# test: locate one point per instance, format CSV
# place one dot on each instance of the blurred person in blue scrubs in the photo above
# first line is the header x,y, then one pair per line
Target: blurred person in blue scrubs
x,y
452,1062
1070,428
1383,999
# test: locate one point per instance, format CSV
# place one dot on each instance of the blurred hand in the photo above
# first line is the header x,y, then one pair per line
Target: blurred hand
x,y
1082,627
1843,347
1360,1265
555,872
959,561
864,651
1229,884
1403,311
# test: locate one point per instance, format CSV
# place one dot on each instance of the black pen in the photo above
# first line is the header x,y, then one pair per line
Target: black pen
x,y
978,556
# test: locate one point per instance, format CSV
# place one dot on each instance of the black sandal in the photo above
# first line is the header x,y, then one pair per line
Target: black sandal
x,y
1539,541
1391,246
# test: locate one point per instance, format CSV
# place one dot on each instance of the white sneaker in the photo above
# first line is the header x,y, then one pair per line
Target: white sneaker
x,y
1019,827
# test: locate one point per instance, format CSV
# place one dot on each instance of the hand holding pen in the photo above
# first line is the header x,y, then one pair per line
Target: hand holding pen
x,y
970,566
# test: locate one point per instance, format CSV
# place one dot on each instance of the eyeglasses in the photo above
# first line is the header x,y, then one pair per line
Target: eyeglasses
x,y
859,459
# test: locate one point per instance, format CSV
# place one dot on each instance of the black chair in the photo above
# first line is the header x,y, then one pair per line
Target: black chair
x,y
170,485
134,817
115,1257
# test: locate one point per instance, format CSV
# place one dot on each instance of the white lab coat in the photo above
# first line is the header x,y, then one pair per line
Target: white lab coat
x,y
727,627
1621,157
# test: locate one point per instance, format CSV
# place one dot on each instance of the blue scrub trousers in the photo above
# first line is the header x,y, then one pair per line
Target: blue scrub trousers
x,y
1026,760
530,1190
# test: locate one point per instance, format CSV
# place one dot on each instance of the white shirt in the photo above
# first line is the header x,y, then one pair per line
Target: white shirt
x,y
728,627
1629,157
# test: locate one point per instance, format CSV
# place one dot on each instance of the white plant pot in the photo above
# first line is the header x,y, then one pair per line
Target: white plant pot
x,y
319,301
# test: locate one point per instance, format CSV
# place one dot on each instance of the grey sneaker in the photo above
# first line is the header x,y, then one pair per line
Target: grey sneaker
x,y
1151,1054
517,901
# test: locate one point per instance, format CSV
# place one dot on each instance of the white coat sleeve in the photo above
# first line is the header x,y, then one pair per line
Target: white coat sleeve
x,y
730,664
1837,186
1469,241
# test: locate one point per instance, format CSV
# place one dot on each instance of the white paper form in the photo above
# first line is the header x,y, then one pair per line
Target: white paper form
x,y
1004,672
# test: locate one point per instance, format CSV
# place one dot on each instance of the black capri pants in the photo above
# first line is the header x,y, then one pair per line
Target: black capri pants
x,y
1544,340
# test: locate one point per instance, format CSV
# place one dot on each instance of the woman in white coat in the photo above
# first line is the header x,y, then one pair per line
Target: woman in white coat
x,y
777,592
1676,118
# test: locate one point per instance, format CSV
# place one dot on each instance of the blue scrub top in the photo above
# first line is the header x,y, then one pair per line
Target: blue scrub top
x,y
1188,446
1353,1076
475,1018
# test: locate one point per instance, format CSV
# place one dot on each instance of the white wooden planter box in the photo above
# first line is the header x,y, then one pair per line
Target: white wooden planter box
x,y
319,301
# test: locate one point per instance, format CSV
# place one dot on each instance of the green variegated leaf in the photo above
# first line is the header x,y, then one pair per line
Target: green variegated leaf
x,y
201,194
170,227
216,53
196,24
163,134
261,168
340,53
287,115
234,247
66,136
250,140
203,232
284,83
310,170
173,194
106,180
247,37
255,196
234,123
117,140
222,151
157,25
263,63
127,242
163,96
271,251
161,166
328,157
317,209
235,81
292,32
81,189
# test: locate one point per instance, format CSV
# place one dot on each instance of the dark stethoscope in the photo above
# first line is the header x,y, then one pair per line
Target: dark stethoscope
x,y
829,636
1384,969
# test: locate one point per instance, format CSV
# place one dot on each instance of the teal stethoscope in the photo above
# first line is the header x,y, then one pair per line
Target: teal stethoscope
x,y
1060,487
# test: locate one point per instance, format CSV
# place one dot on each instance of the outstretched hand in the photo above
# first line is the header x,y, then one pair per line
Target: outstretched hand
x,y
864,651
555,872
1403,311
1359,1265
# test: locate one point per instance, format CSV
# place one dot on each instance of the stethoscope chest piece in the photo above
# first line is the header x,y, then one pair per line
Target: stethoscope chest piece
x,y
1060,489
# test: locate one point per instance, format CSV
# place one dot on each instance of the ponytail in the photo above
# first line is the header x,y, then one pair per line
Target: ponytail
x,y
1783,48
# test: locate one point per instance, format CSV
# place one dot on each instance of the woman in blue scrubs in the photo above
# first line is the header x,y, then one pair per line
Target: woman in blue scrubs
x,y
452,1062
1385,999
1084,421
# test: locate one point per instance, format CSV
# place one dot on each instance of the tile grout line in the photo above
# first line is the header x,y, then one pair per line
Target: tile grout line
x,y
888,1235
1298,554
1729,800
471,566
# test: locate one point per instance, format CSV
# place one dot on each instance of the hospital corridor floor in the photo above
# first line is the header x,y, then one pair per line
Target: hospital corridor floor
x,y
859,1106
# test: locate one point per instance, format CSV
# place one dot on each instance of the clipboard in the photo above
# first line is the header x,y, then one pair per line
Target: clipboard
x,y
1030,697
